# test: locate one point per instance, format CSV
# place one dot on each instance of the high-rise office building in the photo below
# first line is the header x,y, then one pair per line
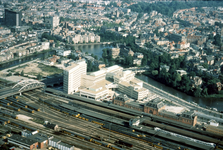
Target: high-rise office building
x,y
12,18
55,21
72,76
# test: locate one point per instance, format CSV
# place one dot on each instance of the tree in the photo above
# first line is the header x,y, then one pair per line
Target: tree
x,y
154,72
197,92
178,77
39,76
192,74
205,92
9,74
217,40
57,44
22,73
129,60
205,65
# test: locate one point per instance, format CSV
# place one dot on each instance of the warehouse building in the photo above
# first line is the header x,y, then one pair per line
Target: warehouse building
x,y
23,142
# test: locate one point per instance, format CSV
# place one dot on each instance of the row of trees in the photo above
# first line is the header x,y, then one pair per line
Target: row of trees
x,y
168,8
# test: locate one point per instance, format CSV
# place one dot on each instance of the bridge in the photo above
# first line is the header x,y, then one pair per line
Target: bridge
x,y
99,43
137,69
22,86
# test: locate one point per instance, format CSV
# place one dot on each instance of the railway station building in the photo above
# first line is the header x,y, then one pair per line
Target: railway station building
x,y
24,142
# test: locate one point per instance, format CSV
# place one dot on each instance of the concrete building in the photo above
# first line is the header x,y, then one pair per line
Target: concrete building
x,y
54,21
97,85
128,84
115,52
12,18
73,74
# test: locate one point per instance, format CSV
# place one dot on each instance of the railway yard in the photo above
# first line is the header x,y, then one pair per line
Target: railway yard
x,y
87,124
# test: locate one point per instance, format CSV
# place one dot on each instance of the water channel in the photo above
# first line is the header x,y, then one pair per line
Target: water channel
x,y
210,102
97,50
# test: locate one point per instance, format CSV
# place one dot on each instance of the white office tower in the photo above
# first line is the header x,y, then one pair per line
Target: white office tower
x,y
72,76
55,21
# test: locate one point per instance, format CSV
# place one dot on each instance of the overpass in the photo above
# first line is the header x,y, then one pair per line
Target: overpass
x,y
22,86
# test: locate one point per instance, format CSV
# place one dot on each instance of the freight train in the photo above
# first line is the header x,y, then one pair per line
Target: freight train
x,y
136,135
91,140
23,126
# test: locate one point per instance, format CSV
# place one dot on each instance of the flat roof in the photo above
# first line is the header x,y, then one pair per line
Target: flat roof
x,y
55,140
39,137
65,144
22,140
97,85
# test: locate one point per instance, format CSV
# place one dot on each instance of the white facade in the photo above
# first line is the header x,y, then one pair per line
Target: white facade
x,y
63,52
55,21
73,75
60,145
45,45
128,84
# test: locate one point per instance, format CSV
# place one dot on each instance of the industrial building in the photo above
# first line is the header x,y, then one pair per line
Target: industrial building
x,y
12,18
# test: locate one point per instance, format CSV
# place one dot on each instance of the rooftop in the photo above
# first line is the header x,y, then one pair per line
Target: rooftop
x,y
20,139
155,103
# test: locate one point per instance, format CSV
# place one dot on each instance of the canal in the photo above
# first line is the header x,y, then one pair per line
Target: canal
x,y
210,102
26,59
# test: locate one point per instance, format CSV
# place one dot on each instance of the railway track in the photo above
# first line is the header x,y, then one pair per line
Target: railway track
x,y
65,138
63,100
128,116
57,115
88,127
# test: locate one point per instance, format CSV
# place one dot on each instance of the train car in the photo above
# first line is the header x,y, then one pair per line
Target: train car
x,y
76,135
125,143
91,140
23,126
132,134
92,119
15,96
4,102
33,107
9,115
219,147
11,99
75,114
3,122
8,121
12,107
27,109
7,101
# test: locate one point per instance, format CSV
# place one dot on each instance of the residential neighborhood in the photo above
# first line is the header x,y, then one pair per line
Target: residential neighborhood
x,y
160,63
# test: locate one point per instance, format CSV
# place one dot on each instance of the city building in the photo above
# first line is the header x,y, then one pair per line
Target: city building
x,y
12,18
115,52
54,21
73,74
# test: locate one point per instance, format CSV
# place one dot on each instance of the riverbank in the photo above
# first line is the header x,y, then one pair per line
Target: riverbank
x,y
220,95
